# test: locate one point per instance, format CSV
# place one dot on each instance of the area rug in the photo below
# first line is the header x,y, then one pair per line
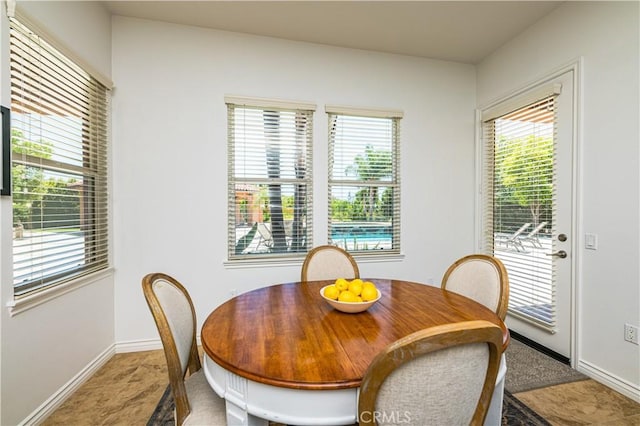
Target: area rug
x,y
529,369
163,414
514,412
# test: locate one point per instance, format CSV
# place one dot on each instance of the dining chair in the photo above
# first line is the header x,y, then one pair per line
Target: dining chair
x,y
328,262
482,278
443,375
195,401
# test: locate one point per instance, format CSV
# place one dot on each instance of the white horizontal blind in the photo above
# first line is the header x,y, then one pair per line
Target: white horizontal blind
x,y
520,186
270,179
59,165
364,181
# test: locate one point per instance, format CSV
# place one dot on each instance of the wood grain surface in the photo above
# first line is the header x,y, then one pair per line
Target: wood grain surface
x,y
287,335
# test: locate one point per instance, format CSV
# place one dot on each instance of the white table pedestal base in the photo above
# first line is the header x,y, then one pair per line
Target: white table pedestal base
x,y
494,415
250,403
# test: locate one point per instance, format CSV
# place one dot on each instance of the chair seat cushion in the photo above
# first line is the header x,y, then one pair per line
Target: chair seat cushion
x,y
207,408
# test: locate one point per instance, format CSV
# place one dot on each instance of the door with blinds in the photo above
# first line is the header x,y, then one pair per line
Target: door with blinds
x,y
527,207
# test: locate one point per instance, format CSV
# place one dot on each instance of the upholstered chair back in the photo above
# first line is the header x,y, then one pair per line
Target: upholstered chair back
x,y
444,375
180,317
327,263
482,278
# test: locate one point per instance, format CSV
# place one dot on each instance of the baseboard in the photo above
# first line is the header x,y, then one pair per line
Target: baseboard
x,y
142,345
616,383
138,346
55,400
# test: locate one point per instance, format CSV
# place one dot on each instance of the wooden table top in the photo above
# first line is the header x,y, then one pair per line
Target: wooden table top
x,y
287,335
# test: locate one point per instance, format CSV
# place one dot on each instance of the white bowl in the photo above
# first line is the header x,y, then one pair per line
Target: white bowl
x,y
350,307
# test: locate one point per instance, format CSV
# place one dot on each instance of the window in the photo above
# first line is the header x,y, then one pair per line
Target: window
x,y
364,179
59,165
270,178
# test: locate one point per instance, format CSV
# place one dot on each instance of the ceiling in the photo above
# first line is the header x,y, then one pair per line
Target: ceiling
x,y
460,31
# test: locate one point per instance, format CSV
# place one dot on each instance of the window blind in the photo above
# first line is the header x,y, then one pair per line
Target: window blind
x,y
364,180
59,165
270,178
519,205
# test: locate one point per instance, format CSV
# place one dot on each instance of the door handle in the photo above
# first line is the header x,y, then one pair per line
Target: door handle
x,y
561,254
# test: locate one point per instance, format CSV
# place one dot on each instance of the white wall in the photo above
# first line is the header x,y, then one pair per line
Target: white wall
x,y
606,36
45,348
170,154
83,29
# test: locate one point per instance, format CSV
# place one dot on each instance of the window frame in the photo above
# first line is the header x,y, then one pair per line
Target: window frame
x,y
303,111
394,183
93,157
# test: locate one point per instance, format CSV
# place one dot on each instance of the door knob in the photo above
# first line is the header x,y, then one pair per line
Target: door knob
x,y
561,254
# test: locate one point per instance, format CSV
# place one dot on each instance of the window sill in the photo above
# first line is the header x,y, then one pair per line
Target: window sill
x,y
378,257
277,262
17,306
261,263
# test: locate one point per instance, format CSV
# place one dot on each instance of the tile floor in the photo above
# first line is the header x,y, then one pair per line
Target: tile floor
x,y
126,390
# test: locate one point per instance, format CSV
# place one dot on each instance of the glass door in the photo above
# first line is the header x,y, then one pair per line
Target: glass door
x,y
527,211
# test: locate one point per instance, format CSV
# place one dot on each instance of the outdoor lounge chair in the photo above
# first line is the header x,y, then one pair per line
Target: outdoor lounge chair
x,y
266,238
532,237
514,240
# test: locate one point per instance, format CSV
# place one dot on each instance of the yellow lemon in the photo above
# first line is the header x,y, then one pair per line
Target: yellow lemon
x,y
359,299
358,281
368,284
341,284
331,292
369,293
347,296
355,287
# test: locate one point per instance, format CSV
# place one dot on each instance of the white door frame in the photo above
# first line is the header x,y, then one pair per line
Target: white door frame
x,y
576,199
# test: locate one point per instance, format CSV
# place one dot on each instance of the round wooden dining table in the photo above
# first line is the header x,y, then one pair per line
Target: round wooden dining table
x,y
281,353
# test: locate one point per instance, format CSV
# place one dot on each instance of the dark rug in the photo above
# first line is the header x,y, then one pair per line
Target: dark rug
x,y
163,414
514,412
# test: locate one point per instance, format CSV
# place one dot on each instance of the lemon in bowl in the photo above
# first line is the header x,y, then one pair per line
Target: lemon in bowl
x,y
369,291
347,300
